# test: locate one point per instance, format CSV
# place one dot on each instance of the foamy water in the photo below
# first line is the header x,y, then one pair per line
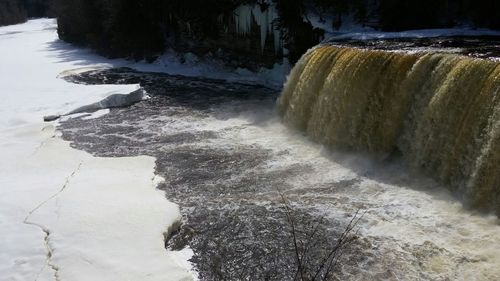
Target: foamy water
x,y
223,154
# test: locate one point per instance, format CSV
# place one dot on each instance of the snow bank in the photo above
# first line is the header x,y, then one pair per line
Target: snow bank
x,y
65,215
209,67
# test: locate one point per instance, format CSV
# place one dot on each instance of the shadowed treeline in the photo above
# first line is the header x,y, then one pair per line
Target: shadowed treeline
x,y
11,12
18,11
143,29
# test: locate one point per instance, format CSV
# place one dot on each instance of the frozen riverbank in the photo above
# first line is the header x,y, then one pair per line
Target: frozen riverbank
x,y
65,215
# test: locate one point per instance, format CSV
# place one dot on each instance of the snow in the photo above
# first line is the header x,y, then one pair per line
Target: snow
x,y
64,214
349,24
209,67
273,77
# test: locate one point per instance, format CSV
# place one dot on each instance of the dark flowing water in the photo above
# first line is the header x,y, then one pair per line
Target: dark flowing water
x,y
485,47
227,160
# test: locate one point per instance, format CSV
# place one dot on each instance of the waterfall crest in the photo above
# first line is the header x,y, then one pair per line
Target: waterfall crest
x,y
441,111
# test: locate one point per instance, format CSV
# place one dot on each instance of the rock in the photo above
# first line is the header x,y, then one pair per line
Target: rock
x,y
116,100
113,101
51,118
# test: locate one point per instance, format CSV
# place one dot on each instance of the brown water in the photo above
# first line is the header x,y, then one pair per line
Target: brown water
x,y
440,111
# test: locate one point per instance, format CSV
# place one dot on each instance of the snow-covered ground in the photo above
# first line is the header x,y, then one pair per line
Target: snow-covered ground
x,y
193,66
65,215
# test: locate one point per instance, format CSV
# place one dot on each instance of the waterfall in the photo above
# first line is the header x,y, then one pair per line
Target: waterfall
x,y
441,111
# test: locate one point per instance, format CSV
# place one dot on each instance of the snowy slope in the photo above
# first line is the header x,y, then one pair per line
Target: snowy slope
x,y
65,215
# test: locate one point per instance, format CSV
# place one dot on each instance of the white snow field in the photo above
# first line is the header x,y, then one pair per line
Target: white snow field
x,y
65,215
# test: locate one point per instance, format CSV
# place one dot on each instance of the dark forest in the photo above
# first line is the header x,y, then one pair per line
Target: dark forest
x,y
143,29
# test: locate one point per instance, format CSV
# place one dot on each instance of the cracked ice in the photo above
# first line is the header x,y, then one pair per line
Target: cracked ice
x,y
65,215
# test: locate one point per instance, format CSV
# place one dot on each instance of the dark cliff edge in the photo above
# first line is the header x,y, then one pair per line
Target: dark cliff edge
x,y
247,33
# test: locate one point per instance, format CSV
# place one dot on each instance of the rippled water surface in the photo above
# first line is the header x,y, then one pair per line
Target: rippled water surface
x,y
486,47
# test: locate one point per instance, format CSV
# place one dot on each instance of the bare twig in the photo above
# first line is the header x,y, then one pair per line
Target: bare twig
x,y
294,235
341,242
302,248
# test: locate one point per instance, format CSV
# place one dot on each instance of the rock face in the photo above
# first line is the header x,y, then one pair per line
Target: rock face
x,y
254,45
248,34
251,35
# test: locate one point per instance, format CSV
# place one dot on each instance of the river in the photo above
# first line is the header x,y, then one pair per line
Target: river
x,y
253,192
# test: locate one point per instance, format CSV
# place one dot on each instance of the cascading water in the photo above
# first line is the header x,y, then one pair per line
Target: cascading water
x,y
441,111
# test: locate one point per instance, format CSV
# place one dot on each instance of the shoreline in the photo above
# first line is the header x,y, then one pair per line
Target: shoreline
x,y
64,213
